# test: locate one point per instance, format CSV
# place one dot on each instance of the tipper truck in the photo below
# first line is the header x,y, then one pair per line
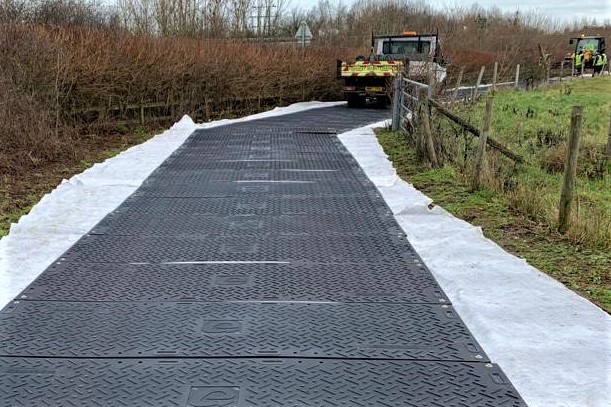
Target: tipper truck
x,y
371,77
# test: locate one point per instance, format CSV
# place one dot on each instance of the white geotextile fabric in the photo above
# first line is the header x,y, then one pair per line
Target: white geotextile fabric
x,y
554,345
76,205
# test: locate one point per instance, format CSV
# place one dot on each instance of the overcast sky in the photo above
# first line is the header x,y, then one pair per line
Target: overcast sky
x,y
564,10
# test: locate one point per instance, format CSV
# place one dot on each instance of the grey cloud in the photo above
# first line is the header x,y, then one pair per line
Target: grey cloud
x,y
564,10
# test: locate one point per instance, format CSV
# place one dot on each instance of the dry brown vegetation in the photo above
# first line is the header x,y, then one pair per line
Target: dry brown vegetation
x,y
71,69
59,82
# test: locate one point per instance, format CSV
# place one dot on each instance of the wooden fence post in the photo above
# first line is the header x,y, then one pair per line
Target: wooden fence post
x,y
479,81
458,82
432,82
561,70
481,147
207,108
570,169
396,103
495,76
417,112
419,109
142,123
517,81
427,135
608,149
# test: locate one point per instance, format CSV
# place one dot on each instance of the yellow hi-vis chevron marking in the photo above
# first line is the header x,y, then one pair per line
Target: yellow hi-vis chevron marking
x,y
367,68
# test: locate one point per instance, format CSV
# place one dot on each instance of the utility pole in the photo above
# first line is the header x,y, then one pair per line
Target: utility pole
x,y
262,16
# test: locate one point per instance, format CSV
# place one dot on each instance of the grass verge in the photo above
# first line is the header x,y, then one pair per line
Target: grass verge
x,y
584,269
20,192
536,124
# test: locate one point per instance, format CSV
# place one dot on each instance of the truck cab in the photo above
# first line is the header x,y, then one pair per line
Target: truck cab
x,y
371,77
423,52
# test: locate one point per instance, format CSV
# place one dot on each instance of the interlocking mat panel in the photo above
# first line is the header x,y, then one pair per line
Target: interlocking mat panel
x,y
257,266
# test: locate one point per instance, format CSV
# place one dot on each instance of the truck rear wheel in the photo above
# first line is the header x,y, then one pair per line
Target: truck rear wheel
x,y
355,100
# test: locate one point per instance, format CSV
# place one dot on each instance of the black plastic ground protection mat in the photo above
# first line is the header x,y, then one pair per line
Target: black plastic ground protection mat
x,y
299,281
196,187
269,139
372,248
279,329
272,139
248,144
178,163
240,225
343,158
217,149
327,120
338,119
264,134
212,152
38,382
255,204
214,381
199,176
175,187
245,146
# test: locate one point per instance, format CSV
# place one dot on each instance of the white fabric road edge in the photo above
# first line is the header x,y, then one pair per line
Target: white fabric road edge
x,y
78,204
553,345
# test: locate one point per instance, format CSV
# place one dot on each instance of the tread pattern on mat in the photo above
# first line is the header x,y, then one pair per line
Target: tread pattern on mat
x,y
257,266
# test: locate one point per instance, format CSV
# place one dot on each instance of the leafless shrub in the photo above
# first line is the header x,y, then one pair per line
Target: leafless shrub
x,y
61,60
53,78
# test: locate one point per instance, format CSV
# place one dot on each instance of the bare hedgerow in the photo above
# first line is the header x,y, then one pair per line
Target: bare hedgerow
x,y
54,78
67,13
29,135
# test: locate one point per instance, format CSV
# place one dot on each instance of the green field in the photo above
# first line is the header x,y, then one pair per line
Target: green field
x,y
536,125
517,206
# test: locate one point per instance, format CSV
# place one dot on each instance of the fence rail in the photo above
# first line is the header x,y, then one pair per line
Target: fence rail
x,y
145,113
413,105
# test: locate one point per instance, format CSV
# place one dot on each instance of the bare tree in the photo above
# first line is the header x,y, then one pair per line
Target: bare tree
x,y
239,17
12,10
138,15
215,18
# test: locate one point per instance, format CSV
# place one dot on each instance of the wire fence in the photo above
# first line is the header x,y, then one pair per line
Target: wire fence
x,y
453,90
439,136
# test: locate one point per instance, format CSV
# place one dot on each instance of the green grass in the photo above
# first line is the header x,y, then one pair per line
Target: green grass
x,y
519,116
536,125
584,269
